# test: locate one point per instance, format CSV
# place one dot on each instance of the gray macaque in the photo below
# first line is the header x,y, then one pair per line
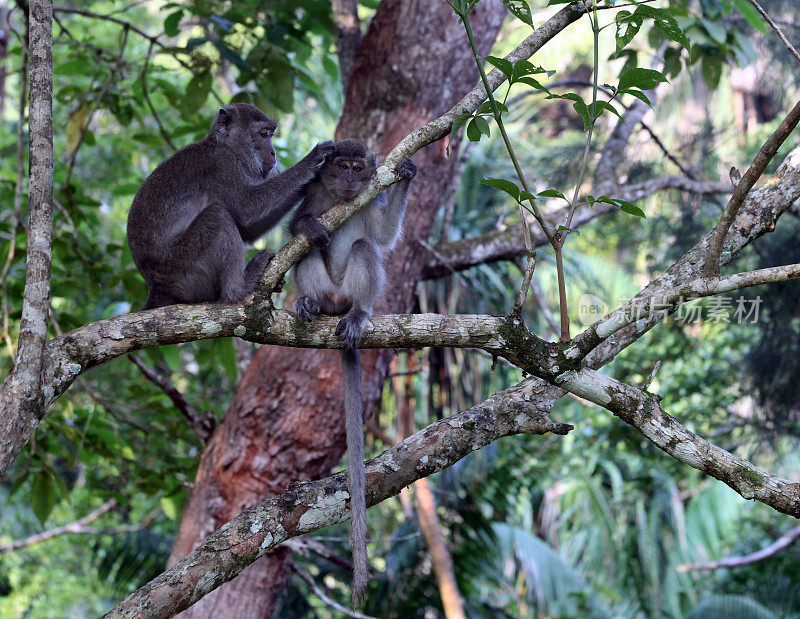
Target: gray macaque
x,y
344,274
192,216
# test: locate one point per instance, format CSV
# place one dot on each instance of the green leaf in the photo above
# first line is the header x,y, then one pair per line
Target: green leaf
x,y
227,356
711,68
580,107
665,22
638,94
717,33
75,125
644,79
458,122
752,16
171,23
672,62
231,56
574,231
171,506
632,209
552,193
624,205
482,125
526,195
473,132
503,185
196,92
628,26
486,107
501,63
533,83
520,10
43,495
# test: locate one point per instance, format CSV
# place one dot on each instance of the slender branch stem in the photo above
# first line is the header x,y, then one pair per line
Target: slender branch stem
x,y
98,101
741,190
149,102
592,119
498,119
79,526
774,26
534,208
325,598
784,541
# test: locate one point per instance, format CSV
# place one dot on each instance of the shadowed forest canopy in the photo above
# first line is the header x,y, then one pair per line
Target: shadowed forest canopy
x,y
580,383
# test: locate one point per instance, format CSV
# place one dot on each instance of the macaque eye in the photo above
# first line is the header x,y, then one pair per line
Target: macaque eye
x,y
342,166
265,133
358,168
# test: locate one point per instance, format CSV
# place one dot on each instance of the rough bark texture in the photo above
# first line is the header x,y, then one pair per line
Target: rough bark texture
x,y
21,398
307,506
413,64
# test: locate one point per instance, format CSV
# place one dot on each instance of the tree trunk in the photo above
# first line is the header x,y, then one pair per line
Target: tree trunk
x,y
286,422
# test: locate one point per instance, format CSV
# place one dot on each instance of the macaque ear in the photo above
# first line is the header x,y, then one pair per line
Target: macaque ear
x,y
221,127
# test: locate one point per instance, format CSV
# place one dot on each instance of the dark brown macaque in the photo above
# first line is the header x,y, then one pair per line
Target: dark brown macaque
x,y
344,274
192,216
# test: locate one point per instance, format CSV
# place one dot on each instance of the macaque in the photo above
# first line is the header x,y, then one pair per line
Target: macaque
x,y
344,275
192,216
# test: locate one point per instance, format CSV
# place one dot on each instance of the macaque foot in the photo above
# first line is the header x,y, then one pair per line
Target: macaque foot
x,y
318,235
306,308
255,269
352,326
406,170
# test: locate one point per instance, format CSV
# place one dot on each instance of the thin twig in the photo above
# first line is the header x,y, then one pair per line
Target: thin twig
x,y
305,545
329,602
150,105
79,526
652,376
202,424
784,541
774,26
749,178
526,283
85,125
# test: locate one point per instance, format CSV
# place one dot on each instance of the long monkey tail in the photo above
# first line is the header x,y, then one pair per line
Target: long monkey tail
x,y
351,366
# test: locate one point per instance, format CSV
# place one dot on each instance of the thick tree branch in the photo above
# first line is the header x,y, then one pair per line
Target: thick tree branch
x,y
744,186
758,216
643,410
507,244
21,396
308,506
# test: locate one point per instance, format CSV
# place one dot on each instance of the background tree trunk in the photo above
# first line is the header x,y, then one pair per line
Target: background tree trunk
x,y
286,422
